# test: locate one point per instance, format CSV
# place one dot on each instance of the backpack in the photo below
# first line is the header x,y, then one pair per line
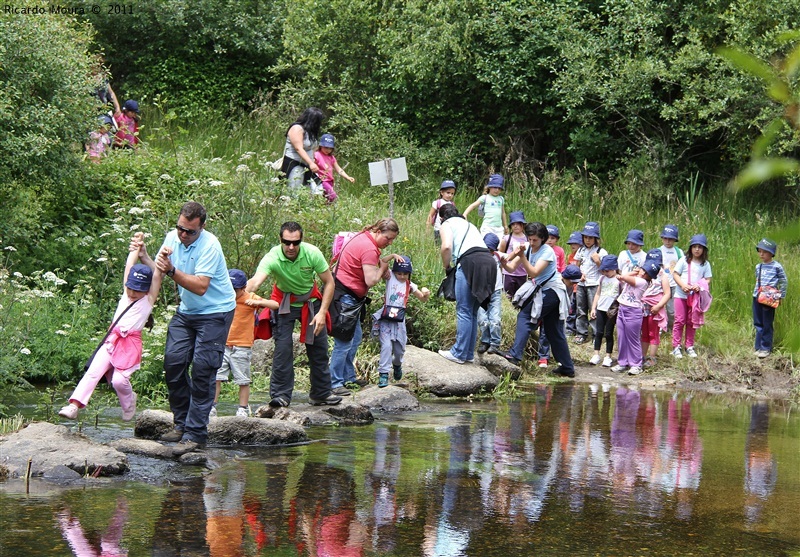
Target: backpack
x,y
339,241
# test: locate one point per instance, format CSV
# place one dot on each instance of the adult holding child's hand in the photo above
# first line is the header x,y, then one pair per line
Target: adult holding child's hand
x,y
302,140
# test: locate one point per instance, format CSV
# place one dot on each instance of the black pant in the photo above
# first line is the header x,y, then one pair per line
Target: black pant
x,y
605,328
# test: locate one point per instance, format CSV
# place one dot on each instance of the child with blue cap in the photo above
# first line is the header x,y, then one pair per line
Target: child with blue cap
x,y
629,317
489,329
670,255
654,318
604,309
327,164
692,274
771,285
588,257
447,191
120,352
491,207
390,321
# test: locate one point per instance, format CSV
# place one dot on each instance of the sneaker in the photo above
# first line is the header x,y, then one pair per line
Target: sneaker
x,y
341,391
495,350
618,368
187,446
511,359
650,361
570,334
543,363
70,411
398,373
383,380
127,415
607,361
763,354
635,370
212,413
355,385
483,348
330,400
676,353
279,402
172,436
579,339
595,360
447,355
243,412
564,372
690,352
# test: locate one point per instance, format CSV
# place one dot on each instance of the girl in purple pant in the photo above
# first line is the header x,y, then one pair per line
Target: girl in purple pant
x,y
629,317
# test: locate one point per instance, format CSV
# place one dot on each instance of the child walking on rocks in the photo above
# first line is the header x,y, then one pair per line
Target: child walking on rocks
x,y
120,352
390,320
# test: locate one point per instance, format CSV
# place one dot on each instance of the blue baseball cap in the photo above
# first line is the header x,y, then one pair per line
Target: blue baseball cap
x,y
575,238
404,267
516,216
609,263
670,231
591,229
447,184
496,181
139,278
699,240
106,120
238,278
491,240
552,229
571,272
326,141
655,255
767,245
131,105
635,237
651,268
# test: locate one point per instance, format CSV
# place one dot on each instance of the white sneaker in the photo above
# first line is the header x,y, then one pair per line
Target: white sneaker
x,y
635,370
70,411
690,352
447,355
595,360
213,412
618,368
127,415
677,353
763,353
242,412
607,361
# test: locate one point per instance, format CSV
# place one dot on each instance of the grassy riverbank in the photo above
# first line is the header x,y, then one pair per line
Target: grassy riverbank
x,y
56,302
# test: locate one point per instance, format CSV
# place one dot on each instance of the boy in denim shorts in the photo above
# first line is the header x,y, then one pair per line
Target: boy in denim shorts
x,y
239,346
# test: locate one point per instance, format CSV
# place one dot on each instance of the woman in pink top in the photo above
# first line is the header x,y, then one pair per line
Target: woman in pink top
x,y
121,352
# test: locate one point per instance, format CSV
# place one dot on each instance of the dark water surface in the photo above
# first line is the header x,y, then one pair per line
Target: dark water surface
x,y
567,470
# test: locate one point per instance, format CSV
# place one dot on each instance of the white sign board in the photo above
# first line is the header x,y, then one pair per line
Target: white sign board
x,y
377,172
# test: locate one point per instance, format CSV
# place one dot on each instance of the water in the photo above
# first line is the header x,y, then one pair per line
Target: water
x,y
567,470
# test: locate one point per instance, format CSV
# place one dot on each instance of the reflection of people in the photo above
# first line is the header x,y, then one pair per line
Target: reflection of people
x,y
239,346
196,336
179,527
298,152
359,267
293,265
222,498
121,352
109,541
760,468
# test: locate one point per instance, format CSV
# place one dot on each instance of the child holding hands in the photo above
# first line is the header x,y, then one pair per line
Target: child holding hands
x,y
629,317
120,353
390,320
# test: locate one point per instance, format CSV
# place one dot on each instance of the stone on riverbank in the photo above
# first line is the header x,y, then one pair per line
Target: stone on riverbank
x,y
349,412
442,377
499,366
227,430
52,446
387,399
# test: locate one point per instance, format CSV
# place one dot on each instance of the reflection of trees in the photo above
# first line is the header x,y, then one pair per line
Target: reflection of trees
x,y
760,468
179,529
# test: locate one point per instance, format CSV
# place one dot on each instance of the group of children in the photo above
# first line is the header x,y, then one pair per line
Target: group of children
x,y
118,128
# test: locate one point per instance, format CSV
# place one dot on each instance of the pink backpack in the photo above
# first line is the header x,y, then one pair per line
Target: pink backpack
x,y
339,241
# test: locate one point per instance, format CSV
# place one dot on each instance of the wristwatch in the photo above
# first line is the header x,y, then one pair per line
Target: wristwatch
x,y
171,272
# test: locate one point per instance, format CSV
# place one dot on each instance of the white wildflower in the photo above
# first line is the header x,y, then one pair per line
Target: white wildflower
x,y
50,276
274,180
216,183
66,325
166,177
62,333
193,183
17,274
246,156
25,351
216,159
134,227
255,237
24,314
135,211
10,248
242,168
101,259
356,221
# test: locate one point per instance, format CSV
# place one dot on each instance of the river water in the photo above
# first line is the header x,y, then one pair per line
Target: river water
x,y
565,470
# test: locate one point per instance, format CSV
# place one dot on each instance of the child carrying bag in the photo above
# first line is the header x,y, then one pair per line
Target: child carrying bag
x,y
767,295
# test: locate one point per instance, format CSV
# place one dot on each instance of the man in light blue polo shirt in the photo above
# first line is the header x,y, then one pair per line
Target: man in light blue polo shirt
x,y
196,336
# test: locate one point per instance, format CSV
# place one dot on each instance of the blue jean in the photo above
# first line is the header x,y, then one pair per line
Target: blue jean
x,y
466,319
553,327
763,319
489,321
197,341
544,345
342,368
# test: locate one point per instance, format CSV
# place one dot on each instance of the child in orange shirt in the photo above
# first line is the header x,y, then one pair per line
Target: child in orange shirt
x,y
239,347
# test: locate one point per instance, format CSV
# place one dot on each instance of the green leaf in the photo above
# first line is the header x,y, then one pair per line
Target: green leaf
x,y
767,138
776,86
760,170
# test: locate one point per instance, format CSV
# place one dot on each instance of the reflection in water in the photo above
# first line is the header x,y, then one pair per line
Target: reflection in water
x,y
109,545
760,468
573,469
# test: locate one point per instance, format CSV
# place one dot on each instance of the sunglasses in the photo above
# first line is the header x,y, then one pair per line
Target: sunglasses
x,y
186,231
291,242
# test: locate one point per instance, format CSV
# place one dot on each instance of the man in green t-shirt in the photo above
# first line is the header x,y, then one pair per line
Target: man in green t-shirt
x,y
293,265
